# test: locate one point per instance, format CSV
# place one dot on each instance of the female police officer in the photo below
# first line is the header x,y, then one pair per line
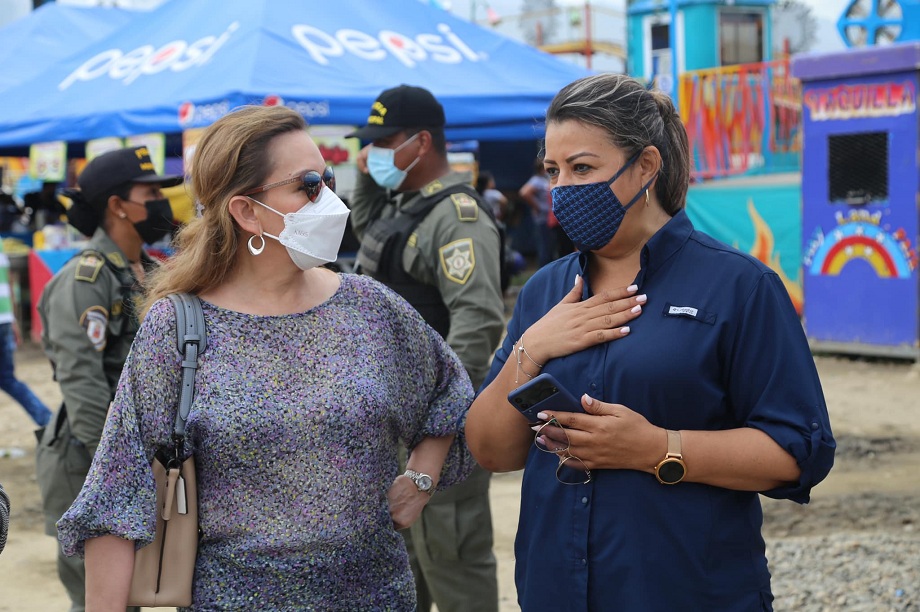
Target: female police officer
x,y
88,322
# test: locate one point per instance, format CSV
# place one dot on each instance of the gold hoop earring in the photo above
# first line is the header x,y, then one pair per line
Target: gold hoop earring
x,y
252,249
646,198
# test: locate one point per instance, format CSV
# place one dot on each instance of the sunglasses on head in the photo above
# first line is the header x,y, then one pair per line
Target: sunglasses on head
x,y
312,183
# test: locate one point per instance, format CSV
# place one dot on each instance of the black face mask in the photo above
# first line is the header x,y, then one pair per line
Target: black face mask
x,y
158,223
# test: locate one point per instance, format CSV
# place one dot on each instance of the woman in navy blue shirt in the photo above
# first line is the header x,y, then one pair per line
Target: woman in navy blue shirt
x,y
697,384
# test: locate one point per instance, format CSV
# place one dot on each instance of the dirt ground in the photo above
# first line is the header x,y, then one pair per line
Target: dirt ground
x,y
875,413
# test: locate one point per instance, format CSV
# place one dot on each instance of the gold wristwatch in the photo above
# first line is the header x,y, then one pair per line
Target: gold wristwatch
x,y
672,468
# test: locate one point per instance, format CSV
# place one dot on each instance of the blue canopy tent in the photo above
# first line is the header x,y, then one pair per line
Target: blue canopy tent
x,y
51,33
186,64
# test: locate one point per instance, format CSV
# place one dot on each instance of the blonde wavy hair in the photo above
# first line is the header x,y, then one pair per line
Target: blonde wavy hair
x,y
231,158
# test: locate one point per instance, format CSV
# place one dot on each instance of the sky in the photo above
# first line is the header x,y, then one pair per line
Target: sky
x,y
826,11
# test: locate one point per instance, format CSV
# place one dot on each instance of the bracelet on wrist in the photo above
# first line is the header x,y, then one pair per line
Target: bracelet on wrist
x,y
518,350
520,367
526,354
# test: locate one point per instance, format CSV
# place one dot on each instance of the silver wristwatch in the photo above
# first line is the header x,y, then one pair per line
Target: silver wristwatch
x,y
422,481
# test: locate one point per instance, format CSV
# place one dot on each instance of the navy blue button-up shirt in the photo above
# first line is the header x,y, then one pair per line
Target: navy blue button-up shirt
x,y
718,346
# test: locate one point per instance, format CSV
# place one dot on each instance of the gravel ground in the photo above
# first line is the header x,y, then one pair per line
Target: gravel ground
x,y
857,552
858,571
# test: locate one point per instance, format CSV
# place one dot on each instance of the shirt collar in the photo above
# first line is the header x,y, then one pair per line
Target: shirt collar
x,y
661,246
437,185
103,243
666,242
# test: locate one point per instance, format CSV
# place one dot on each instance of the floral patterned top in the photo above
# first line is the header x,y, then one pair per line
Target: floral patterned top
x,y
295,427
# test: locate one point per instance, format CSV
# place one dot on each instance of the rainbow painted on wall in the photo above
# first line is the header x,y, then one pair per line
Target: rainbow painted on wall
x,y
860,236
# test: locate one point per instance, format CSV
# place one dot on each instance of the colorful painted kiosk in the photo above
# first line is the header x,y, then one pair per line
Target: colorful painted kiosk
x,y
860,186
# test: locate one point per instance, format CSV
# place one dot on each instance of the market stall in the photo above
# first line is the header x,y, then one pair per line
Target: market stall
x,y
860,188
186,64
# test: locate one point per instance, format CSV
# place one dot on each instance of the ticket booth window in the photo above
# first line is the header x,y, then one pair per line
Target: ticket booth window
x,y
858,168
661,33
740,37
661,56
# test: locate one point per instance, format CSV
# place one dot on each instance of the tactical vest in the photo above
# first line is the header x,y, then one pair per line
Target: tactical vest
x,y
380,255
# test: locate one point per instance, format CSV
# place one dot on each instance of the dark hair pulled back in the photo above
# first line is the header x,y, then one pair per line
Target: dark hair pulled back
x,y
634,118
87,215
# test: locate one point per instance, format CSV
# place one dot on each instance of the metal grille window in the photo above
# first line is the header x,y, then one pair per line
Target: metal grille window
x,y
661,36
741,37
857,168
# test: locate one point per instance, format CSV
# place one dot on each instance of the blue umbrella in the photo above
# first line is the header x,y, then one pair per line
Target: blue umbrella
x,y
51,33
188,63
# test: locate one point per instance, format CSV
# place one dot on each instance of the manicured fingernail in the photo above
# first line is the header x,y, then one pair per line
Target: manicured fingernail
x,y
636,308
588,399
632,288
624,330
642,299
577,276
536,427
542,416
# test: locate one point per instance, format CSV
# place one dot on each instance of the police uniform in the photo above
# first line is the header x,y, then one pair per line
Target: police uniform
x,y
455,249
88,316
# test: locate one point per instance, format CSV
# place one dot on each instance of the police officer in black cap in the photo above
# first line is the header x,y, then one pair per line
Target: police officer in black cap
x,y
426,233
88,322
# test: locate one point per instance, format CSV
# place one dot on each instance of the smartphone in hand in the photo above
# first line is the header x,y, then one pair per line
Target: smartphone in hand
x,y
540,394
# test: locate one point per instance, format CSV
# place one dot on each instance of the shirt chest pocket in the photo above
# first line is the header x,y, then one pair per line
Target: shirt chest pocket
x,y
689,313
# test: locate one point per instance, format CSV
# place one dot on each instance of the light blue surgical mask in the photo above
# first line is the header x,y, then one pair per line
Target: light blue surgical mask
x,y
382,165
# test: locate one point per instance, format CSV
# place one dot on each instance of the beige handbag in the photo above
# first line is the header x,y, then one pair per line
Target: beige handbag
x,y
163,570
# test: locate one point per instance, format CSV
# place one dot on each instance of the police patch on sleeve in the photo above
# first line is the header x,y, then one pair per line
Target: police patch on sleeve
x,y
95,320
458,260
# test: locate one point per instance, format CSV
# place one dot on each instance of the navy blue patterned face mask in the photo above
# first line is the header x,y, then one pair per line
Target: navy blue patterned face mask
x,y
591,214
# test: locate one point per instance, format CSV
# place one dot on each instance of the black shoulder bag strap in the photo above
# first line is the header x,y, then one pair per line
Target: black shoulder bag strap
x,y
191,339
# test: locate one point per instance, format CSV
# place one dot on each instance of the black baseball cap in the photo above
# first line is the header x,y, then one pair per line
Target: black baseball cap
x,y
118,167
401,108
